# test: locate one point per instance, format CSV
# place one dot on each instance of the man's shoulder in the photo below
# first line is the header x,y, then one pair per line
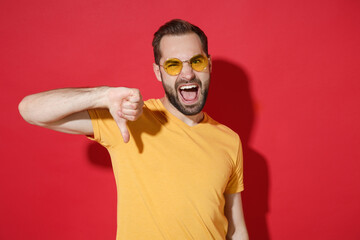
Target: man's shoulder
x,y
153,113
221,128
152,104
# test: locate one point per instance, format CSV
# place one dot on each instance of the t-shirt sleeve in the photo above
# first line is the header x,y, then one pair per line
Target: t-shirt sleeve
x,y
104,127
235,183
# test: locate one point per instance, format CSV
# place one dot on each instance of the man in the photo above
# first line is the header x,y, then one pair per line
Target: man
x,y
178,172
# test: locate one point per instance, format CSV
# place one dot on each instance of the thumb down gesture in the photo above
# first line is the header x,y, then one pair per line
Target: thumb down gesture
x,y
125,104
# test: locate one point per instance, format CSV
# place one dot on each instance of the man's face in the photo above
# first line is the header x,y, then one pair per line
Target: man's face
x,y
187,91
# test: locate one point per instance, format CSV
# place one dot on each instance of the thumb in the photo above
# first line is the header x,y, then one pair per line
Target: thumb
x,y
121,122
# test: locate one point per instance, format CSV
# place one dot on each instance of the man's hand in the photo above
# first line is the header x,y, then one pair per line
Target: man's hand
x,y
125,104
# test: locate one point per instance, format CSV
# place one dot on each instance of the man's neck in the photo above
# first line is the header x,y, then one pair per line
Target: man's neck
x,y
190,120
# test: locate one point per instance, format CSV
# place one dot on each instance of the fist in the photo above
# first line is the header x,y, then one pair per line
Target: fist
x,y
125,104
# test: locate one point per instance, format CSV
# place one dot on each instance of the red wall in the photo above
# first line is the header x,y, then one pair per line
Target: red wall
x,y
286,77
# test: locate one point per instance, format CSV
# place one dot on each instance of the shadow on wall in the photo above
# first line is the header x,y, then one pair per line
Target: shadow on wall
x,y
98,155
229,102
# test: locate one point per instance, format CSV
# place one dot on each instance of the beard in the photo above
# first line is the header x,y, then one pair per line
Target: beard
x,y
173,95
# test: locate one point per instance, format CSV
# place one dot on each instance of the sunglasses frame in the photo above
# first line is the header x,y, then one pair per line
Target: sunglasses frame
x,y
188,61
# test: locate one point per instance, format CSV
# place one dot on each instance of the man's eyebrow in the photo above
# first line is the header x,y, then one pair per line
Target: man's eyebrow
x,y
172,60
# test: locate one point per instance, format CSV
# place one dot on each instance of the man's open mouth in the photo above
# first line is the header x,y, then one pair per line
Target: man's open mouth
x,y
189,93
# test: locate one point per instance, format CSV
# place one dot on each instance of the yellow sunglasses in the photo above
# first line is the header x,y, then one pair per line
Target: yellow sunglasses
x,y
173,66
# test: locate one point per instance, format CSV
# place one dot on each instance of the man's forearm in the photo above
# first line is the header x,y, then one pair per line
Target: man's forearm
x,y
51,106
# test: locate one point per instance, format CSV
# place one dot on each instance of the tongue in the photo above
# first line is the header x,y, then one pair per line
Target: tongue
x,y
189,95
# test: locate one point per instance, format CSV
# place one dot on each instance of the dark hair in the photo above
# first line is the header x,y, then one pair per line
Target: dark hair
x,y
177,27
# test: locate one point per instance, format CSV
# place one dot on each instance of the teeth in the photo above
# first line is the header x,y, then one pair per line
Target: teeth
x,y
188,87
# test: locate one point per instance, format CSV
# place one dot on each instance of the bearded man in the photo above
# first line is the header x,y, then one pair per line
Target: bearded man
x,y
178,172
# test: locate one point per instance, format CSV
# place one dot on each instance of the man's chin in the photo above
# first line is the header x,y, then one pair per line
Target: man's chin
x,y
190,109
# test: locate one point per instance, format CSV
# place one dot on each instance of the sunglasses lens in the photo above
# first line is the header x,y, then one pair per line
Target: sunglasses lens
x,y
199,63
173,66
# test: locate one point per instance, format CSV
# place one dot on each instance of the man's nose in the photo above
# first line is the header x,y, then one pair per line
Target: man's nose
x,y
187,72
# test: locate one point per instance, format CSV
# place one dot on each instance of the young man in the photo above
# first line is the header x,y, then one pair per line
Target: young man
x,y
178,172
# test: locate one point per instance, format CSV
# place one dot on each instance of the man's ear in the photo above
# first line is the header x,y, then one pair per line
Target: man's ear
x,y
156,69
210,64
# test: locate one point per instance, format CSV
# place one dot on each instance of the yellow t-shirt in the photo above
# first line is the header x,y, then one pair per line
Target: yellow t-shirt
x,y
170,177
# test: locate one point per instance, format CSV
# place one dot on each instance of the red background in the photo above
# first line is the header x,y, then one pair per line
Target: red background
x,y
285,77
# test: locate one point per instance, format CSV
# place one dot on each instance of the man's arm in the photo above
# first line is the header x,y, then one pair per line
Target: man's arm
x,y
235,216
65,110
